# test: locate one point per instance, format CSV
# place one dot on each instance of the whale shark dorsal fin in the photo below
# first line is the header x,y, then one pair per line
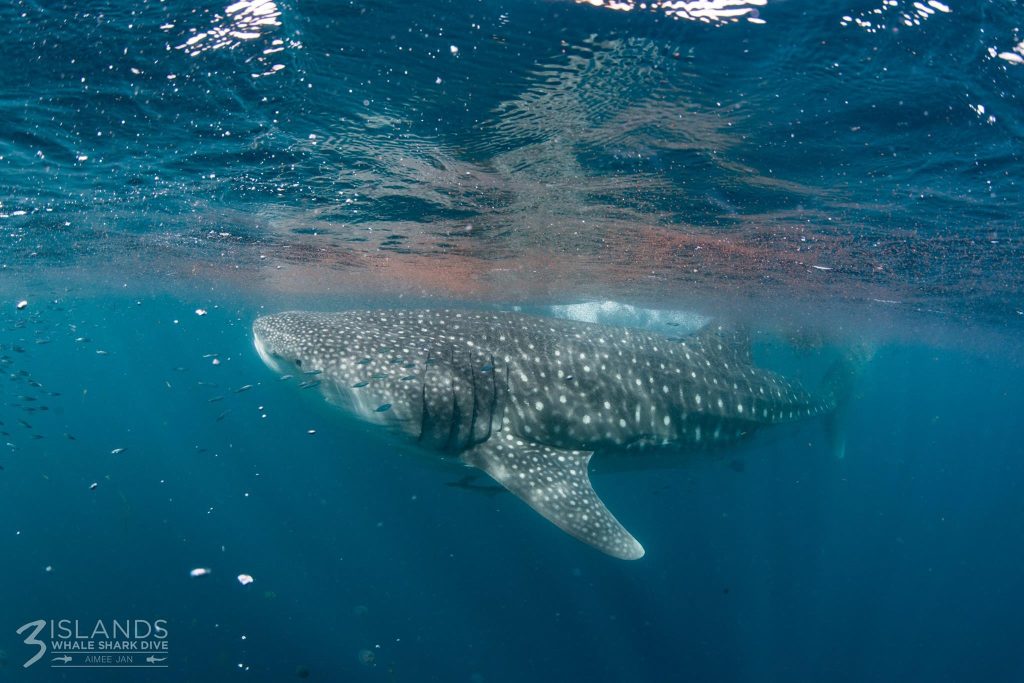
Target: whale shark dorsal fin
x,y
730,343
556,484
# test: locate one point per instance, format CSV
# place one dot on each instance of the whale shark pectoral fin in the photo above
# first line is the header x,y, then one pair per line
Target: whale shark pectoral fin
x,y
556,484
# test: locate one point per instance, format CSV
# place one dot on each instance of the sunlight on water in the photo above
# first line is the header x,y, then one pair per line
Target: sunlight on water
x,y
897,12
246,20
706,11
1015,55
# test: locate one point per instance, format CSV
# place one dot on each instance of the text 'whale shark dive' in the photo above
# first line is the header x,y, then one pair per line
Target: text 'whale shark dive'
x,y
529,400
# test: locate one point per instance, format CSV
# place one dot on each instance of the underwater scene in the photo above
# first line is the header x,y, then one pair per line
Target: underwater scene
x,y
487,342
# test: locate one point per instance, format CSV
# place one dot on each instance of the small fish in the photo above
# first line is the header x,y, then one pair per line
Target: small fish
x,y
395,361
245,387
117,451
101,352
360,385
672,324
467,483
92,486
378,375
408,377
215,399
313,372
284,377
409,365
383,408
363,361
310,384
569,377
223,415
487,368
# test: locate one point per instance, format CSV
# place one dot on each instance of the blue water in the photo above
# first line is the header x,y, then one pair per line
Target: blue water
x,y
831,175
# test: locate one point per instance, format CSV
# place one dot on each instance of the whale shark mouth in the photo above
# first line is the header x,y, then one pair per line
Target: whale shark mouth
x,y
269,358
261,349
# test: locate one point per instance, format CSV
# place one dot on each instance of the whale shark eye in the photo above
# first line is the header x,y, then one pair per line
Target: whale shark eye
x,y
298,362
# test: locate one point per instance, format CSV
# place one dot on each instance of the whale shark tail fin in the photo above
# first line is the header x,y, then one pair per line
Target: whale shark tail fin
x,y
556,484
837,387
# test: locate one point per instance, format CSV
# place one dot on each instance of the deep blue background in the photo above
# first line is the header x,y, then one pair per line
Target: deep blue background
x,y
895,563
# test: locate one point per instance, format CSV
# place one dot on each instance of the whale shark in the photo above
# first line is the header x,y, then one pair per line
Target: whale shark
x,y
530,400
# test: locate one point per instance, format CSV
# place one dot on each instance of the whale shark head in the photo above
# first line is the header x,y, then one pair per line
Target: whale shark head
x,y
394,368
335,353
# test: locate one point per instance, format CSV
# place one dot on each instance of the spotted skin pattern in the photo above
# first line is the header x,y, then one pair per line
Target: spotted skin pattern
x,y
530,399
